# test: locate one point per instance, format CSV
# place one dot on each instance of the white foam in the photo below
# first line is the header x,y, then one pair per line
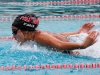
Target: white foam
x,y
30,46
93,50
27,46
78,38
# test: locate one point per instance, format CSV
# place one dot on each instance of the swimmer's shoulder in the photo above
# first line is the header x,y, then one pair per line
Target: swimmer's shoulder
x,y
41,34
42,38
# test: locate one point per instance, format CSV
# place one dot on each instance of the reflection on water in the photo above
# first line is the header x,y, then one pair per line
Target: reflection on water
x,y
8,9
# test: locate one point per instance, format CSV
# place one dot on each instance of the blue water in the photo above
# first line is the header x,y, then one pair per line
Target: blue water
x,y
13,54
32,54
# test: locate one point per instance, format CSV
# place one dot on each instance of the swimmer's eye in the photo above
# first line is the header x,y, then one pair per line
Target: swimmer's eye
x,y
14,31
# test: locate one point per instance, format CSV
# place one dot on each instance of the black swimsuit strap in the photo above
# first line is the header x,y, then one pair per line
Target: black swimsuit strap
x,y
66,52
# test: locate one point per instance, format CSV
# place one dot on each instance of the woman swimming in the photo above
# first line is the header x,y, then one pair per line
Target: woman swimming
x,y
24,29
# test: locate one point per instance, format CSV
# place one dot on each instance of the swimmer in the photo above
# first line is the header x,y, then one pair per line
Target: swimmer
x,y
24,28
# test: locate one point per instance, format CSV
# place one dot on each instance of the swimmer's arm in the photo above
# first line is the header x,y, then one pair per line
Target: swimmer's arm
x,y
69,33
84,28
48,40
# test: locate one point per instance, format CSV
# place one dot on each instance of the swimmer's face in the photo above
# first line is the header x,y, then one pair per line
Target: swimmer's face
x,y
17,34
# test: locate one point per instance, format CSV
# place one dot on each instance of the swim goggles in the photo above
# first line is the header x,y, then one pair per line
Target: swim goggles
x,y
14,31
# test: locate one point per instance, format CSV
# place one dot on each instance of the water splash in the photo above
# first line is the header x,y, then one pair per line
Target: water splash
x,y
30,46
27,46
91,51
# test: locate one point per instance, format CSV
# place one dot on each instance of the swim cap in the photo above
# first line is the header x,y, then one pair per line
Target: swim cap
x,y
28,21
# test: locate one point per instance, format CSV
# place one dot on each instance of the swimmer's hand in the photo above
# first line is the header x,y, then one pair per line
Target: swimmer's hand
x,y
86,27
89,39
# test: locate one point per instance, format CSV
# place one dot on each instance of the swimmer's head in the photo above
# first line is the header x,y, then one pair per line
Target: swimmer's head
x,y
26,22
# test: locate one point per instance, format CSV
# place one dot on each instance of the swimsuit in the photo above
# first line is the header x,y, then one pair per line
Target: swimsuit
x,y
66,52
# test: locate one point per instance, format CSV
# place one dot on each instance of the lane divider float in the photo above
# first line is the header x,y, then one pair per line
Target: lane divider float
x,y
7,38
71,2
63,17
52,66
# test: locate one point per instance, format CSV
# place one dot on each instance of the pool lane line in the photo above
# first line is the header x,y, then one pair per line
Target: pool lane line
x,y
52,66
6,38
73,2
63,17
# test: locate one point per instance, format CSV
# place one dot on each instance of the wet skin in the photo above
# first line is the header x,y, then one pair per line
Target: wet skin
x,y
58,41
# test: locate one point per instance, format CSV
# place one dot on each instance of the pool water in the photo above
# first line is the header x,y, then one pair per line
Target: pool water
x,y
11,53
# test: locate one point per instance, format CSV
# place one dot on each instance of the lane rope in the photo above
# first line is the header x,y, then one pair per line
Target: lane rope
x,y
73,2
66,17
7,38
52,66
